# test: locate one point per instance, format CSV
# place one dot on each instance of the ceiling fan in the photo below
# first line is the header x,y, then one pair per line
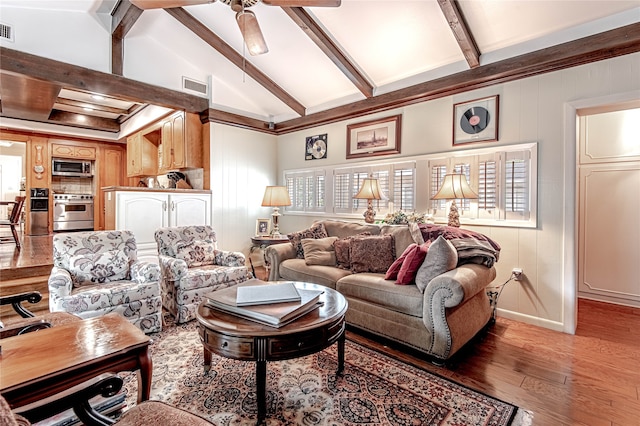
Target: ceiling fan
x,y
246,19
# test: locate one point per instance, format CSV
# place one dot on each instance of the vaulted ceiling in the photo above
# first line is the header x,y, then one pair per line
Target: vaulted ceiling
x,y
324,63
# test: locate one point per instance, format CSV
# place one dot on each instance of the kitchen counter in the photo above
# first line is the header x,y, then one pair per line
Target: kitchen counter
x,y
145,189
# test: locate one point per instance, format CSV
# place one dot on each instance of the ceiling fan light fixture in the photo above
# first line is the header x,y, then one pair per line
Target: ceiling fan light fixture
x,y
251,33
237,5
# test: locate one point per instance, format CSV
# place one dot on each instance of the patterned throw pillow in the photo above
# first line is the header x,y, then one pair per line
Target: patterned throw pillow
x,y
342,247
413,261
441,257
316,231
320,251
372,254
197,252
104,267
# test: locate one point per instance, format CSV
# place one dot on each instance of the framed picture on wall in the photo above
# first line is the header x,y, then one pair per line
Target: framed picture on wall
x,y
316,147
263,227
376,137
476,121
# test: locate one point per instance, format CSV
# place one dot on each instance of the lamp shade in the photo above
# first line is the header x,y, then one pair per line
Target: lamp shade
x,y
276,196
370,190
454,186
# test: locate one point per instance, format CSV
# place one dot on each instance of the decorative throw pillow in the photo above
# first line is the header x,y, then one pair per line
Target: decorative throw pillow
x,y
392,272
320,251
316,231
410,266
342,247
372,254
197,252
441,257
104,267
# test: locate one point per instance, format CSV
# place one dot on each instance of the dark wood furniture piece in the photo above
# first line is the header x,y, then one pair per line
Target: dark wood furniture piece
x,y
233,337
27,321
13,221
34,366
260,243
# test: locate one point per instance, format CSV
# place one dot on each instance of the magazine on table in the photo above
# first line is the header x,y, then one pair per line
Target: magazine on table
x,y
272,314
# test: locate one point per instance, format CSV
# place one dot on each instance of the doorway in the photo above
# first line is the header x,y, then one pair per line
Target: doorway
x,y
608,201
12,172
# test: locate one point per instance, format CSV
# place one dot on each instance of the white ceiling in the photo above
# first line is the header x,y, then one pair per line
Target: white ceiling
x,y
395,44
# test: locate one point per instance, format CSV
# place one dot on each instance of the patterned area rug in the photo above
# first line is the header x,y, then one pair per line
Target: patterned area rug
x,y
374,389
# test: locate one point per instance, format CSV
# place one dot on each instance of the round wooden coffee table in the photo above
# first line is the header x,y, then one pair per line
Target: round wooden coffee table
x,y
233,337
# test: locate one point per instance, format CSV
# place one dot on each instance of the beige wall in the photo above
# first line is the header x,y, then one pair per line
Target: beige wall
x,y
531,110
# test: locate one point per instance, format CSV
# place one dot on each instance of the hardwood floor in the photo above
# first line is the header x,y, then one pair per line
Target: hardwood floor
x,y
590,378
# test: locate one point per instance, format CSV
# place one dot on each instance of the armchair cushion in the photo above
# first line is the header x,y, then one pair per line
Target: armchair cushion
x,y
101,267
196,252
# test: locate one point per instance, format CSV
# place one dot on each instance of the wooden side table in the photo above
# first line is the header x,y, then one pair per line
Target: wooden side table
x,y
260,243
34,366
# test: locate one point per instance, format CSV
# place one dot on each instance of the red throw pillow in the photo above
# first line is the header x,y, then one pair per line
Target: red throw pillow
x,y
392,272
411,264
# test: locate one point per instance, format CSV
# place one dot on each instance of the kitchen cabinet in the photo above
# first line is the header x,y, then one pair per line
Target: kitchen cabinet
x,y
142,155
144,211
110,171
181,143
73,151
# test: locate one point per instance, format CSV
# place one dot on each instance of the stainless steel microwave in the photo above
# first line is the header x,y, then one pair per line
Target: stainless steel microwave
x,y
73,168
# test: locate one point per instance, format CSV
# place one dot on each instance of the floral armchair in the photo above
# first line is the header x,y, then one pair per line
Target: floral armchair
x,y
95,273
192,266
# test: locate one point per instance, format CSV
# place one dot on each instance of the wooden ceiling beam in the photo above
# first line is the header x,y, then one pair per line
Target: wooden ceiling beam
x,y
96,107
461,31
236,120
122,19
84,121
598,47
202,31
72,76
311,28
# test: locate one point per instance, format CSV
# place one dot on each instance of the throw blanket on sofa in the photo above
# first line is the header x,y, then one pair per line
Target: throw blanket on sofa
x,y
472,247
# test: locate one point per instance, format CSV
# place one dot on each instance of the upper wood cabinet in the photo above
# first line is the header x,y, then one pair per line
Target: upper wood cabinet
x,y
73,151
181,142
110,167
142,155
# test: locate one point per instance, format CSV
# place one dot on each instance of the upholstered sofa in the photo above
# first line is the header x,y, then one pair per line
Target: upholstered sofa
x,y
443,302
98,272
191,266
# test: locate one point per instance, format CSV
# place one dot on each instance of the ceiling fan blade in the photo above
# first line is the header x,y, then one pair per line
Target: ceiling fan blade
x,y
303,3
251,33
167,4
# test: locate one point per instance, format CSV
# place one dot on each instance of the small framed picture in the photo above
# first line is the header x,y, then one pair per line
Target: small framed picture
x,y
263,227
376,137
316,147
476,121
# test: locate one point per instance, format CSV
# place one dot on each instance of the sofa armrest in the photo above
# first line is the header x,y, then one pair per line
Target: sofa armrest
x,y
448,290
144,272
172,269
276,254
230,258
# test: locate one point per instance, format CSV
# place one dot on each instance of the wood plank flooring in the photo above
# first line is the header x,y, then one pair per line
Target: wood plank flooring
x,y
590,378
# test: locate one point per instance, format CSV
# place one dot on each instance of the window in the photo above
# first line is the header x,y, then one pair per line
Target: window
x,y
504,178
306,190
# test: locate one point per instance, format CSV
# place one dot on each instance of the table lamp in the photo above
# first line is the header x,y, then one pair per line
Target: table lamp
x,y
454,186
370,190
276,197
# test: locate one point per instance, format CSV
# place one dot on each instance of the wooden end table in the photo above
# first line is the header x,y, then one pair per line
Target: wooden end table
x,y
37,365
262,242
233,337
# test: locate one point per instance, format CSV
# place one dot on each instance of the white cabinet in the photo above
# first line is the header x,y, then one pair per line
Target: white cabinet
x,y
143,212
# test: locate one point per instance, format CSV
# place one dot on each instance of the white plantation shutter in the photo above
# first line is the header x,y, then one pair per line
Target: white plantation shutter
x,y
306,190
487,204
463,204
403,192
437,176
516,185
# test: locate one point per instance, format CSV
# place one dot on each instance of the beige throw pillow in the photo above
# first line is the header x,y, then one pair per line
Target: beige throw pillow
x,y
441,257
319,251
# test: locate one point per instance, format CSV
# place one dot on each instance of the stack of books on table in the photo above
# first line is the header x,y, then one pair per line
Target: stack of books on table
x,y
271,304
